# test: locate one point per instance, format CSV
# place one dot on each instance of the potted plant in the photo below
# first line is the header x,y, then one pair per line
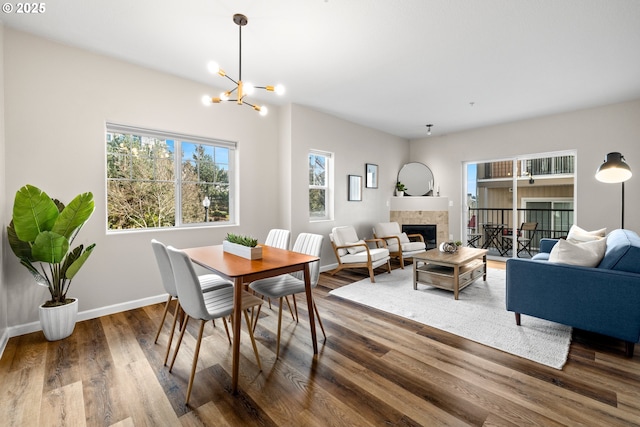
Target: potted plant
x,y
400,189
244,246
40,234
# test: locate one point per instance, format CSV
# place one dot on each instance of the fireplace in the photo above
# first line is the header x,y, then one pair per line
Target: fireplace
x,y
428,231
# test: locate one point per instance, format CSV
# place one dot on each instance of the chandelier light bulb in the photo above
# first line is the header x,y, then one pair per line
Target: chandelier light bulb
x,y
206,100
263,110
213,67
248,88
224,96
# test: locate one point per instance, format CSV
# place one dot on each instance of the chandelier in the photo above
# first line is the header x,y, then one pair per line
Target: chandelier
x,y
241,89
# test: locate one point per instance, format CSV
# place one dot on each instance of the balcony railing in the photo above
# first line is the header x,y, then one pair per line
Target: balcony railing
x,y
552,223
558,165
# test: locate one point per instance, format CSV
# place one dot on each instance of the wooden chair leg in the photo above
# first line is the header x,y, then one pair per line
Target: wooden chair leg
x,y
175,353
373,280
255,321
226,328
173,329
517,319
290,309
279,329
253,341
196,352
315,308
295,307
164,317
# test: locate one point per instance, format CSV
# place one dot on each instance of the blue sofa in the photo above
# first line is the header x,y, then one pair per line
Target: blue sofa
x,y
603,299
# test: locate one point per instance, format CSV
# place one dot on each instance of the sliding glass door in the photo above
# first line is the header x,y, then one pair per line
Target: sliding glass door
x,y
505,194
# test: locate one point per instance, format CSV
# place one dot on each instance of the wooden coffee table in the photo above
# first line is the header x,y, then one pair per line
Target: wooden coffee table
x,y
450,271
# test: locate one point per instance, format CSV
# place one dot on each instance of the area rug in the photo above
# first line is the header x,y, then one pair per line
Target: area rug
x,y
478,315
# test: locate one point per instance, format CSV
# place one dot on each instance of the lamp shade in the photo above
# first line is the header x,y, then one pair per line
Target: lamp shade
x,y
614,169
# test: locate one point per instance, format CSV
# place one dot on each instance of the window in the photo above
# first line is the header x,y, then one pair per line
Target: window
x,y
160,179
320,179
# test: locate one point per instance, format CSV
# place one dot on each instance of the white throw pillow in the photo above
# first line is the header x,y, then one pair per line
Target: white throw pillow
x,y
586,254
403,239
356,249
578,235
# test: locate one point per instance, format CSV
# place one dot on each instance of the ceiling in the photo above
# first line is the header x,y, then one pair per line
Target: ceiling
x,y
392,65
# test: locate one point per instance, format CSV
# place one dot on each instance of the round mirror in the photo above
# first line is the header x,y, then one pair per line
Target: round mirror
x,y
418,179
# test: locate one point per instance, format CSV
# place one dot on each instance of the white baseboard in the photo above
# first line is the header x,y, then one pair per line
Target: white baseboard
x,y
4,339
27,328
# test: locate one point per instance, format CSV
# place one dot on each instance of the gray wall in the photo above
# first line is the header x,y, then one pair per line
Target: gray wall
x,y
72,93
3,202
591,132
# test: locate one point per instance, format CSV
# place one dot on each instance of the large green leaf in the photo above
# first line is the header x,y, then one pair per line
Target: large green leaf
x,y
74,215
50,247
40,279
75,266
20,248
33,212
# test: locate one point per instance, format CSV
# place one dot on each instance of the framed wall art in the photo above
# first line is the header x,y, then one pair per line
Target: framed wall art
x,y
371,175
355,188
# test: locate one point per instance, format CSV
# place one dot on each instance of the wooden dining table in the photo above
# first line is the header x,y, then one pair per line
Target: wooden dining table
x,y
241,271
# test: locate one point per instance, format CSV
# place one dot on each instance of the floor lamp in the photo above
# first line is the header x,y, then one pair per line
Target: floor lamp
x,y
614,170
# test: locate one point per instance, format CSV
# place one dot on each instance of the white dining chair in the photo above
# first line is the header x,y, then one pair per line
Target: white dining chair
x,y
205,306
208,282
291,284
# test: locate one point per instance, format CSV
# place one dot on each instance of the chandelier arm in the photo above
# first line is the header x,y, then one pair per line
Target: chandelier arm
x,y
231,79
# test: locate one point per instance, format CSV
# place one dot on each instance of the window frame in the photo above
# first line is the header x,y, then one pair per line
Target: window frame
x,y
327,187
178,140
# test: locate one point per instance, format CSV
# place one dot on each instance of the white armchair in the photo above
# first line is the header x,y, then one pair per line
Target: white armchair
x,y
353,252
400,245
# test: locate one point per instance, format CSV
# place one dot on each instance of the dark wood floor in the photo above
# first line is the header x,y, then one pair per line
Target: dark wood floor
x,y
374,369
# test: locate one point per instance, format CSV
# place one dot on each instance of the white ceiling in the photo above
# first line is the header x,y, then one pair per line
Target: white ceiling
x,y
393,65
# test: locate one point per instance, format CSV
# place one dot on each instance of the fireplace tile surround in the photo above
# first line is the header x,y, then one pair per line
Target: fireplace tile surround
x,y
422,210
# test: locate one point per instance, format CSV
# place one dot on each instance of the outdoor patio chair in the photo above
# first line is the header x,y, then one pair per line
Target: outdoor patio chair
x,y
528,230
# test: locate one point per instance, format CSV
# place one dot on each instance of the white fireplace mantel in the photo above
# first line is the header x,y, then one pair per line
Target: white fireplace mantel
x,y
413,203
422,210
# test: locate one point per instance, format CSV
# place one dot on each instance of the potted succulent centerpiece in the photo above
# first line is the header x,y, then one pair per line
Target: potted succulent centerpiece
x,y
244,246
41,234
400,189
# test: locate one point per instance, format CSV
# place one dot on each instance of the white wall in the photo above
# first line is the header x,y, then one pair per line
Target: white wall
x,y
353,146
592,132
57,101
3,202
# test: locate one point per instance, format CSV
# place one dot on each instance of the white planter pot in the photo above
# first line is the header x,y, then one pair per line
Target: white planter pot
x,y
241,250
58,322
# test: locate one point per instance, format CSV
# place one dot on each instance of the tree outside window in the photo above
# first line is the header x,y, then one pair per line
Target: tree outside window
x,y
145,191
319,189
